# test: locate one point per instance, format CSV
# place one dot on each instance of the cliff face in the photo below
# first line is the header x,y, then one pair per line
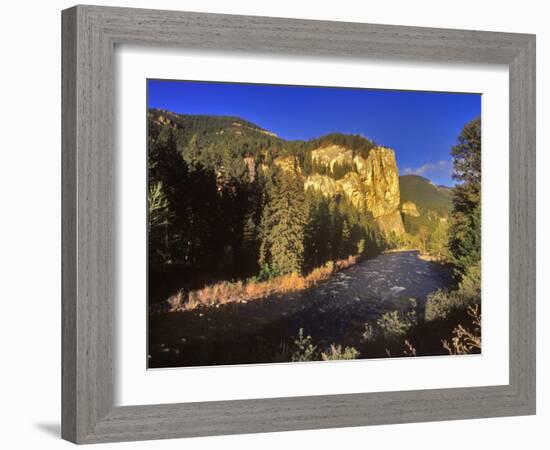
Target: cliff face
x,y
370,184
288,164
366,176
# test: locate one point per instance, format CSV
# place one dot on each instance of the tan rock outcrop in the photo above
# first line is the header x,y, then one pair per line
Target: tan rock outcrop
x,y
409,208
288,164
372,184
251,167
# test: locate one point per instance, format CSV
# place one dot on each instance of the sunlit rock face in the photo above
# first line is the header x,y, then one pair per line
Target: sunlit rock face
x,y
288,164
370,184
409,208
322,183
391,223
251,168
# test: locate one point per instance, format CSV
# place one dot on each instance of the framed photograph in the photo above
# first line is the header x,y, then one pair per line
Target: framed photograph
x,y
278,224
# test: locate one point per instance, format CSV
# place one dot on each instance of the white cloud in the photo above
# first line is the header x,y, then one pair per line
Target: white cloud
x,y
441,167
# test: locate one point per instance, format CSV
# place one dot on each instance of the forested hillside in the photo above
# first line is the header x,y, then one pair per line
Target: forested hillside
x,y
227,201
425,194
426,209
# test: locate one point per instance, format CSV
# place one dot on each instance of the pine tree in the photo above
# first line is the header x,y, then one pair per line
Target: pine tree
x,y
465,227
307,164
160,219
283,223
165,166
335,228
317,232
423,236
159,210
439,239
250,245
345,247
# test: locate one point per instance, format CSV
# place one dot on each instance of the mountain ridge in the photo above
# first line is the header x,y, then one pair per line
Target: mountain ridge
x,y
334,164
425,194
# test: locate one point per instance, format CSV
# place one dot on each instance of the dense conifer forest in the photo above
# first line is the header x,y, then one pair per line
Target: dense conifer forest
x,y
221,209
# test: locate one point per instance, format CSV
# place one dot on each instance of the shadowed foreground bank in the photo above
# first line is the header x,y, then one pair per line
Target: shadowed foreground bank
x,y
334,311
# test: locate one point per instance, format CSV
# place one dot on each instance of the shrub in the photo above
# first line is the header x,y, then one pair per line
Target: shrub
x,y
369,332
336,353
393,325
470,286
441,303
267,272
466,340
361,247
411,314
305,350
329,265
409,349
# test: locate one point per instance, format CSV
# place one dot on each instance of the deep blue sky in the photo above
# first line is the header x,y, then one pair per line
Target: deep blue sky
x,y
420,126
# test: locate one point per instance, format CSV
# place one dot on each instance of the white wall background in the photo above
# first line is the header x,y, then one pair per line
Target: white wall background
x,y
30,237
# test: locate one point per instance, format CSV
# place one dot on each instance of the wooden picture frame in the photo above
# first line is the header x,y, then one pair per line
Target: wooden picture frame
x,y
90,34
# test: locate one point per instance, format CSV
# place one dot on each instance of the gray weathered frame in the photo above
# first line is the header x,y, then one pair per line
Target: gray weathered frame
x,y
89,36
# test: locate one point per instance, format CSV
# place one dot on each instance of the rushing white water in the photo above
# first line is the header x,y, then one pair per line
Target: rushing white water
x,y
383,283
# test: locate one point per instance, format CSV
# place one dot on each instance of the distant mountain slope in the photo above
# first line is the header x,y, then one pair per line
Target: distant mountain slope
x,y
233,136
205,123
425,194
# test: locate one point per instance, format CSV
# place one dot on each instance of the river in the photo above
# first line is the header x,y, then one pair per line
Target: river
x,y
333,311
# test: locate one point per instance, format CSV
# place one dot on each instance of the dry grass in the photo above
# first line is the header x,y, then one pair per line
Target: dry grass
x,y
336,353
228,292
177,301
320,273
254,290
291,283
